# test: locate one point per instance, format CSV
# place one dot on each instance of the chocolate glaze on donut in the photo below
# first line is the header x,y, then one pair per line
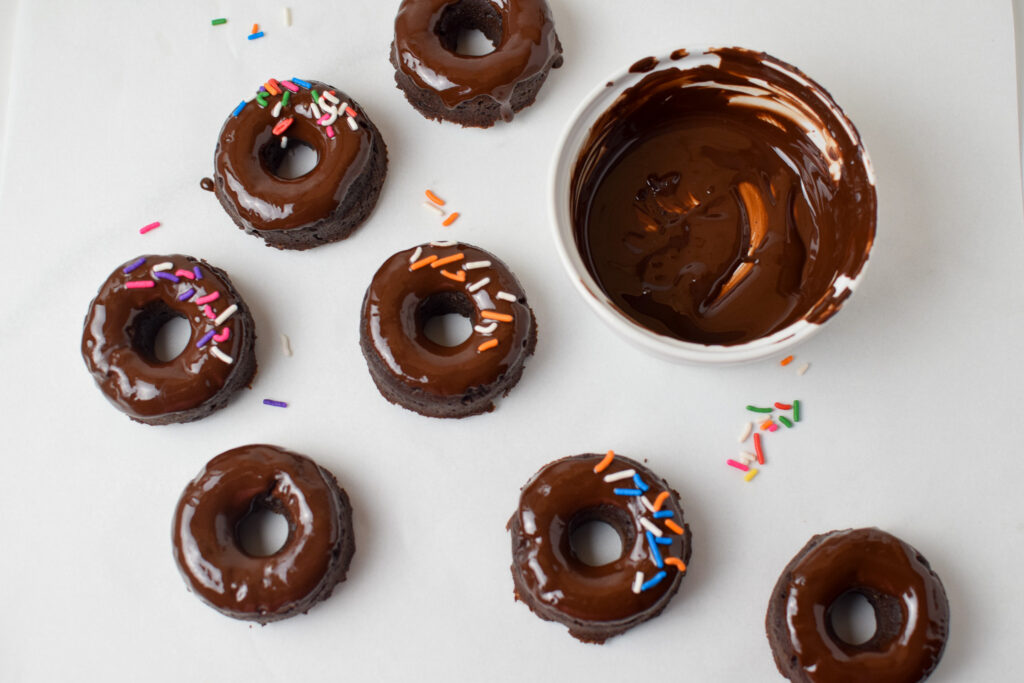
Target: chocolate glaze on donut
x,y
473,90
324,205
911,611
128,312
314,558
720,204
597,603
437,279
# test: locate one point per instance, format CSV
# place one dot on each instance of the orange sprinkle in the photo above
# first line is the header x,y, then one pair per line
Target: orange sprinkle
x,y
271,87
786,361
766,424
458,277
660,500
452,217
494,315
434,198
423,261
255,28
487,345
603,465
676,562
673,526
447,259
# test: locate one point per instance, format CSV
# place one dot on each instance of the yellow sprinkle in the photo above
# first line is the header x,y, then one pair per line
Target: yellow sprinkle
x,y
751,474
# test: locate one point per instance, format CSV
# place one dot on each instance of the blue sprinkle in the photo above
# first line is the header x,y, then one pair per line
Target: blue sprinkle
x,y
199,274
627,492
166,276
239,108
185,296
305,84
254,36
658,562
276,404
662,514
206,337
662,540
134,264
640,483
655,580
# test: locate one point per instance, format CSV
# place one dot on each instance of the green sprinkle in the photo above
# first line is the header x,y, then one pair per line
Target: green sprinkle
x,y
785,420
218,22
261,99
755,409
796,411
287,96
315,96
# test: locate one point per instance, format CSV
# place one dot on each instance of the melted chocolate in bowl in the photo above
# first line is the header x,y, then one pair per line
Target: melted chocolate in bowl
x,y
722,199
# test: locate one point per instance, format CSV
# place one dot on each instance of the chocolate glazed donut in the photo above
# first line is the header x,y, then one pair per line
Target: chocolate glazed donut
x,y
473,90
324,205
120,335
911,611
597,603
435,279
233,485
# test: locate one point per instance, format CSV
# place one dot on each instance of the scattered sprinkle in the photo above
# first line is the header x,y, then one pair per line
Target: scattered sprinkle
x,y
458,277
751,474
272,86
208,312
478,284
783,406
664,514
487,345
276,111
659,501
619,476
282,125
205,338
452,217
676,562
350,111
755,409
638,582
757,449
167,276
181,272
218,22
276,404
228,312
134,264
185,296
255,28
214,351
239,108
254,36
505,296
494,315
745,434
140,284
284,140
199,273
212,296
473,265
655,580
647,504
603,465
786,361
224,335
287,16
286,345
433,207
767,424
785,420
655,553
434,198
803,368
444,243
166,265
448,259
352,123
773,427
746,458
305,84
738,465
640,483
627,492
652,527
291,87
486,329
146,228
423,261
416,255
329,96
796,411
674,527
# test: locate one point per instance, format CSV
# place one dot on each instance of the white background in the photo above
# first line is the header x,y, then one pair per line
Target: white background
x,y
912,404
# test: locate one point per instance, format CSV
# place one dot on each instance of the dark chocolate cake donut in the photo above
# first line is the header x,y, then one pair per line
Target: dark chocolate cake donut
x,y
120,335
314,558
911,611
473,90
324,205
435,279
597,603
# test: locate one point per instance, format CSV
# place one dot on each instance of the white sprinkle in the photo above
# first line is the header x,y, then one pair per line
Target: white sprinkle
x,y
352,123
286,344
486,329
343,106
333,116
276,111
479,284
284,141
445,243
624,474
747,458
472,265
287,16
315,109
331,98
803,368
505,296
745,434
228,312
650,526
214,351
647,503
638,581
433,207
416,255
166,265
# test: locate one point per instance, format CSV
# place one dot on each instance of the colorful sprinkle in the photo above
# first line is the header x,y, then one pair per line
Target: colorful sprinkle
x,y
447,259
746,458
276,111
228,312
478,284
255,28
663,541
261,99
181,272
217,353
638,582
751,474
452,217
773,427
423,261
487,345
167,276
290,87
785,420
239,108
134,264
305,84
458,277
675,528
796,411
664,514
185,296
660,500
212,296
494,315
286,345
218,22
199,273
352,123
224,335
434,198
505,296
783,406
254,36
276,404
755,409
627,492
786,361
205,338
139,284
640,483
738,465
605,462
745,434
473,265
757,449
315,95
676,562
658,562
146,228
619,476
767,424
271,87
208,312
282,125
652,527
350,111
655,580
329,96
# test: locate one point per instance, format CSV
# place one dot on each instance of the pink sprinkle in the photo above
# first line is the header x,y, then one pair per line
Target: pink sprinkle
x,y
291,86
323,119
139,284
224,335
773,427
185,273
152,226
208,312
330,131
350,111
738,465
213,296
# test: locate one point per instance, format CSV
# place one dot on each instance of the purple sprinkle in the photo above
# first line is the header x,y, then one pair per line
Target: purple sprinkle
x,y
276,404
134,264
166,276
199,275
185,296
206,337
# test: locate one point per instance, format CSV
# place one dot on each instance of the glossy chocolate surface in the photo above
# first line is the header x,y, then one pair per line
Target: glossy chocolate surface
x,y
403,296
233,485
895,578
596,602
719,205
121,323
248,152
526,45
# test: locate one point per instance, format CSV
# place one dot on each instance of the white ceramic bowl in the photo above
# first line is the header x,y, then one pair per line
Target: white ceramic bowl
x,y
670,348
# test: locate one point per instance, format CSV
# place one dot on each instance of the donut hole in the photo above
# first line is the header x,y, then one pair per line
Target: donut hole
x,y
852,618
263,531
445,318
159,333
598,536
470,28
288,163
